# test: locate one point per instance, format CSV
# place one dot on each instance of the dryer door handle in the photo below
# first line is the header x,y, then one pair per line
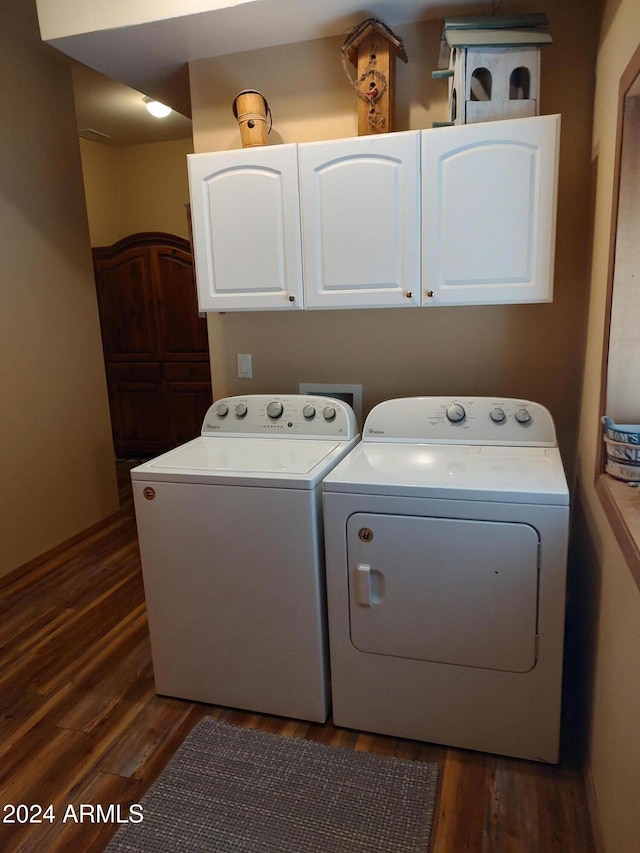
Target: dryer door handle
x,y
369,585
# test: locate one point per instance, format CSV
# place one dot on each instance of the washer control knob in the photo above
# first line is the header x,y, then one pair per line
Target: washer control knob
x,y
309,412
275,409
497,415
328,413
240,410
455,413
222,410
523,416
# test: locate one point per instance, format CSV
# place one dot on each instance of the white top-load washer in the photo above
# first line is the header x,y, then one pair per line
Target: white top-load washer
x,y
231,542
446,536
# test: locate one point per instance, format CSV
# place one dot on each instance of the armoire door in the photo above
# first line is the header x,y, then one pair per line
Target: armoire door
x,y
187,396
155,342
182,331
126,302
136,404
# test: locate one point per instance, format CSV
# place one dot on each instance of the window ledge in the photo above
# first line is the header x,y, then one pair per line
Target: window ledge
x,y
621,504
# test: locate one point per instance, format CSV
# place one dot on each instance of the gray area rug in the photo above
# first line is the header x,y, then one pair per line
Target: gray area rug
x,y
229,789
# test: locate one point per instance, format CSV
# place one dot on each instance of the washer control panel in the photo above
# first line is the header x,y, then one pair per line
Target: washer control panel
x,y
290,415
457,420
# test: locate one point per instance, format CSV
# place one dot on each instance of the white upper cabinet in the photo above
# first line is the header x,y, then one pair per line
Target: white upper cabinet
x,y
460,215
360,206
246,228
489,212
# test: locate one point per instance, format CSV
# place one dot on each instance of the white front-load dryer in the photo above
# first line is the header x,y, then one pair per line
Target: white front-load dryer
x,y
446,536
230,535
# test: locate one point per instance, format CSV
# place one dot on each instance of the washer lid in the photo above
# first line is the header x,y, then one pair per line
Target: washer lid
x,y
292,463
461,472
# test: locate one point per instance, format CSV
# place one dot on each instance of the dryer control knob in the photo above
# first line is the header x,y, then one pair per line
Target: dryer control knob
x,y
455,413
240,410
222,410
309,412
497,415
275,409
328,413
523,416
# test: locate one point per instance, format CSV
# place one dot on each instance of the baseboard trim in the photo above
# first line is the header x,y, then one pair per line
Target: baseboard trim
x,y
594,811
52,553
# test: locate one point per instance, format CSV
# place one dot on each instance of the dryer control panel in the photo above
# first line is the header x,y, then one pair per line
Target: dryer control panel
x,y
290,415
458,420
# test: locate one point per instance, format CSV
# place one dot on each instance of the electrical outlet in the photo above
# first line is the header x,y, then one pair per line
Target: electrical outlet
x,y
244,365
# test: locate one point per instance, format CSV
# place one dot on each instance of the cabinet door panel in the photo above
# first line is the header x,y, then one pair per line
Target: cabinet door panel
x,y
186,404
360,221
183,332
246,228
127,307
488,211
137,416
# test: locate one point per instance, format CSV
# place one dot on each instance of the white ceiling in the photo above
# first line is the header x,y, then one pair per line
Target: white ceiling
x,y
152,57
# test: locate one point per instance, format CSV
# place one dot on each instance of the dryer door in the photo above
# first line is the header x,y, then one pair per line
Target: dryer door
x,y
454,591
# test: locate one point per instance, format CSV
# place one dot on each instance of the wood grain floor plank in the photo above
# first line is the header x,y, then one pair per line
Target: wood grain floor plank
x,y
102,689
15,707
154,723
85,641
52,710
99,789
511,807
560,801
459,823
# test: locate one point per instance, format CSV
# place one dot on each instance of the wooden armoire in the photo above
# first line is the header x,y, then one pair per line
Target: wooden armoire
x,y
155,343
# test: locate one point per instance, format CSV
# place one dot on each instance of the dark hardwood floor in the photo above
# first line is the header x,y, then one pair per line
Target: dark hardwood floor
x,y
80,722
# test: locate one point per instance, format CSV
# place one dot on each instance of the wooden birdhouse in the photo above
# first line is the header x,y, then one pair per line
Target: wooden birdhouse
x,y
493,66
372,47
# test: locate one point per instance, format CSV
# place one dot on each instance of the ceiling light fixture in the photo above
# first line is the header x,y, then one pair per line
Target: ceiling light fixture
x,y
157,109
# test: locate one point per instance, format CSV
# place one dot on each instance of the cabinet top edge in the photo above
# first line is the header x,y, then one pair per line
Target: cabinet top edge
x,y
250,153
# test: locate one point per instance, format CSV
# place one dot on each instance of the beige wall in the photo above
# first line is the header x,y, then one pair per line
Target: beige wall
x,y
102,191
610,597
58,475
135,188
532,351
